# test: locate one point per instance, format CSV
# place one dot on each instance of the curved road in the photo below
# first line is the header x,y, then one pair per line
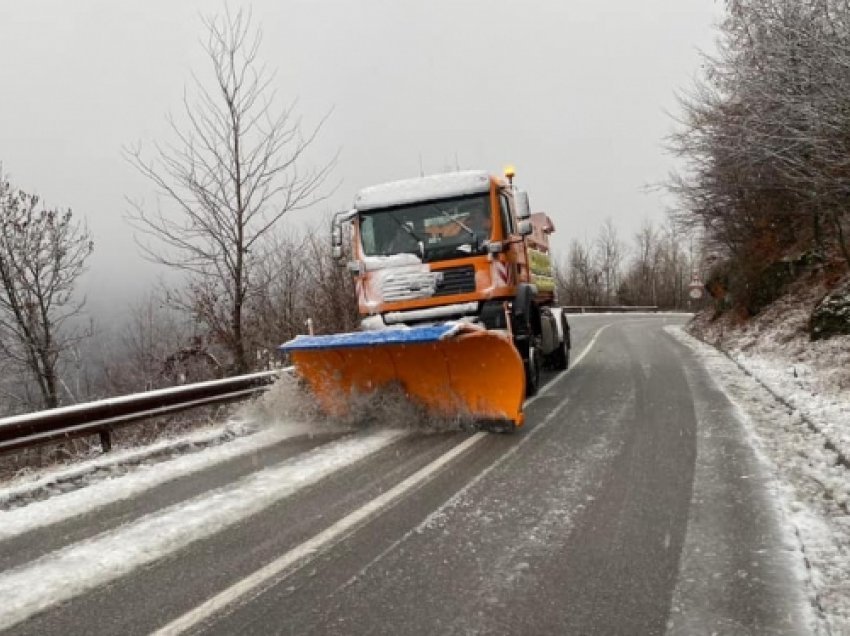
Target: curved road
x,y
630,503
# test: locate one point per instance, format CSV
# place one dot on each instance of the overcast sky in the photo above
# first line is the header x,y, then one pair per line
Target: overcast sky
x,y
575,94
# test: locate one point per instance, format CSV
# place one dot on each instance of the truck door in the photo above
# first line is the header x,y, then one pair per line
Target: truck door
x,y
516,255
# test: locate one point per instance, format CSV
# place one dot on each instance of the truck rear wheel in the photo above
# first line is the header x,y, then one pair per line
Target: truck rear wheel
x,y
560,357
532,371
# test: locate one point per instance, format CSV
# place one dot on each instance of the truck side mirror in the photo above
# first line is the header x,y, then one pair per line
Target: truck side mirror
x,y
355,268
523,209
336,230
524,228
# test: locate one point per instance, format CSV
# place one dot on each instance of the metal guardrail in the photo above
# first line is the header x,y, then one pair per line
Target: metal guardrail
x,y
590,309
100,417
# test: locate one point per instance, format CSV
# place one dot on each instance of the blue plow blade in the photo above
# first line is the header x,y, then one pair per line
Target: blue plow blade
x,y
414,335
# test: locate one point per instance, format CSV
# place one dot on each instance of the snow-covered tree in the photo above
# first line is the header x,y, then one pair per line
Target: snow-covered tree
x,y
42,255
766,137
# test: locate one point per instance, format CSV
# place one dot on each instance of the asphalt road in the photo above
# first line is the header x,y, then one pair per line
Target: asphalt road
x,y
630,503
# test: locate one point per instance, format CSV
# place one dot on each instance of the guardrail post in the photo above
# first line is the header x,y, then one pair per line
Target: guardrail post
x,y
106,440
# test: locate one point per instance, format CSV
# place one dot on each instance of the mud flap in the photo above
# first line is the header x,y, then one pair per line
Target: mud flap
x,y
452,369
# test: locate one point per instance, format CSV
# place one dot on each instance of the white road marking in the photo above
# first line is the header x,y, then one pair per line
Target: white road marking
x,y
312,546
84,566
589,346
82,501
501,460
332,535
454,498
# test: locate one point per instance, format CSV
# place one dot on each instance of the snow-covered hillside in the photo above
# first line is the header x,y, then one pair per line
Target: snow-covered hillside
x,y
812,377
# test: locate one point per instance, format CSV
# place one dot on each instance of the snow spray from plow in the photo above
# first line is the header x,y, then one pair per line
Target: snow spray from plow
x,y
449,368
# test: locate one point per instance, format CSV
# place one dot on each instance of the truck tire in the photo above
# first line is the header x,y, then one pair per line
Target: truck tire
x,y
560,358
532,371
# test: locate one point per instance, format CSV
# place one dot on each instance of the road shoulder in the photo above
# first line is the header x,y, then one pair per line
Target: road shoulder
x,y
750,443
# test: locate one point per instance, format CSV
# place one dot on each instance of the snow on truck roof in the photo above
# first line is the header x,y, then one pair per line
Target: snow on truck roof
x,y
437,186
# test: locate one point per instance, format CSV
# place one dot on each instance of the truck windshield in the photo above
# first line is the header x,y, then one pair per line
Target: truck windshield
x,y
436,230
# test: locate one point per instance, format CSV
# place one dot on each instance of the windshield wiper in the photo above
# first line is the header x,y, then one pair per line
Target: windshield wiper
x,y
405,227
463,225
420,243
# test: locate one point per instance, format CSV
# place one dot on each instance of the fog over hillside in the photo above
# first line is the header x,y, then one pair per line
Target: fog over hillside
x,y
574,94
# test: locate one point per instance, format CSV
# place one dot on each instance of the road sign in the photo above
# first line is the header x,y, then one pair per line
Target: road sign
x,y
696,288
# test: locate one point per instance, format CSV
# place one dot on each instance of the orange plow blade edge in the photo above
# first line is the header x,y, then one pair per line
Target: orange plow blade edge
x,y
453,369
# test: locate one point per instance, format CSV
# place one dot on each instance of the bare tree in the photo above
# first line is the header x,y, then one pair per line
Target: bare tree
x,y
581,283
279,310
673,269
156,347
609,256
42,255
331,301
233,171
301,280
657,271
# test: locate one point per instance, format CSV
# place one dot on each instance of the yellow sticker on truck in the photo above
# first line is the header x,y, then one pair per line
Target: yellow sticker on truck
x,y
540,263
543,283
542,275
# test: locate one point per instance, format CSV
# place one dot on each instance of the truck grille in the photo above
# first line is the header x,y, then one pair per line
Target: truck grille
x,y
456,280
399,286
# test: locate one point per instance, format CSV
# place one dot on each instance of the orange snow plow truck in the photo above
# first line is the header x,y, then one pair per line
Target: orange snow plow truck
x,y
457,296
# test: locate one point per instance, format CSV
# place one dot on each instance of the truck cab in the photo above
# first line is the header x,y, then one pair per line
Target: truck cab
x,y
457,246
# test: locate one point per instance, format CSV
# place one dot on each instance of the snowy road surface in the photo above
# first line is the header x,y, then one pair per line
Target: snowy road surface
x,y
630,503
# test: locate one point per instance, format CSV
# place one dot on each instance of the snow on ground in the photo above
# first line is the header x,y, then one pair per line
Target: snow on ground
x,y
68,572
813,487
53,495
37,499
811,376
801,387
55,479
117,487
